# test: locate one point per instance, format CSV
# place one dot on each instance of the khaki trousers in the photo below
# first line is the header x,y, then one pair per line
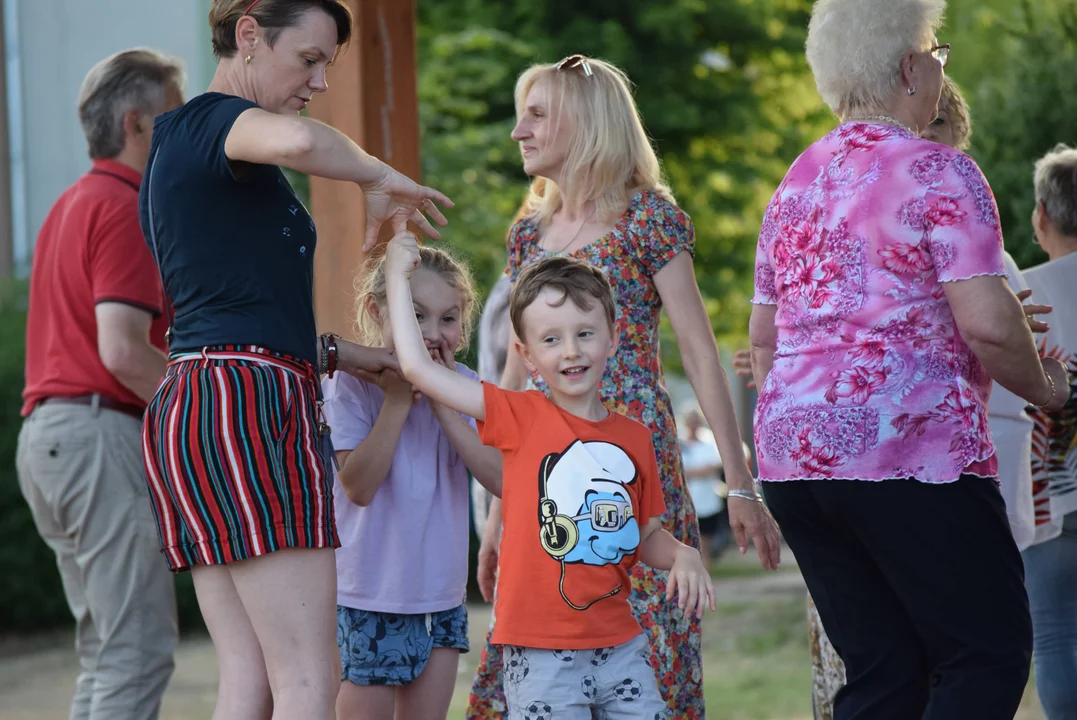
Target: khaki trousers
x,y
80,470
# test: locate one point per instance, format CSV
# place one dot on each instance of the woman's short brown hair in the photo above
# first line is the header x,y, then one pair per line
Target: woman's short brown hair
x,y
273,16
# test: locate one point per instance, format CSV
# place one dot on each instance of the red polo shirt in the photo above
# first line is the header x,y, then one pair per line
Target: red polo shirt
x,y
90,250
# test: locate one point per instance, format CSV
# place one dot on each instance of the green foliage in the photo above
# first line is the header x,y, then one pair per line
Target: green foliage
x,y
31,596
1023,108
723,88
466,114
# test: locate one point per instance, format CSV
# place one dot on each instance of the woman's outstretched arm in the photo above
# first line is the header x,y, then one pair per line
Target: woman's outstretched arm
x,y
314,148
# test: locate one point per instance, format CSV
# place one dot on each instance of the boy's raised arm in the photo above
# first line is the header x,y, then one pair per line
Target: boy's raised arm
x,y
449,388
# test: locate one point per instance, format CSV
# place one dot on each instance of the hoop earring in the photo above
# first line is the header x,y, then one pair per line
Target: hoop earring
x,y
912,90
248,61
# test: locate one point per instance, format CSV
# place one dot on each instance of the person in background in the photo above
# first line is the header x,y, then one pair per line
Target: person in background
x,y
493,351
702,465
94,356
1051,561
703,471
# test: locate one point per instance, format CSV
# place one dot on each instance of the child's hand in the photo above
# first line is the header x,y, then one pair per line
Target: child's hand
x,y
691,582
442,355
742,361
402,255
398,391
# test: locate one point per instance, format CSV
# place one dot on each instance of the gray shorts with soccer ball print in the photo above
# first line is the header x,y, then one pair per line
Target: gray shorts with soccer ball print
x,y
615,683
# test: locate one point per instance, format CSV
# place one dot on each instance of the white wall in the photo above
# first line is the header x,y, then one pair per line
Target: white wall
x,y
51,45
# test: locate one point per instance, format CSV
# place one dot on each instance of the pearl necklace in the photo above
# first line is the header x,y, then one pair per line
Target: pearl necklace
x,y
881,119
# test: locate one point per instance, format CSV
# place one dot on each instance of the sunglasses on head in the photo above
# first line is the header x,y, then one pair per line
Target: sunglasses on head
x,y
575,61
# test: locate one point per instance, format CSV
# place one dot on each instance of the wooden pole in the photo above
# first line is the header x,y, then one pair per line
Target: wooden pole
x,y
372,99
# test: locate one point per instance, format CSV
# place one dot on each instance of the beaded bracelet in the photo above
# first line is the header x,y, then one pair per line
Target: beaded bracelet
x,y
329,354
1051,395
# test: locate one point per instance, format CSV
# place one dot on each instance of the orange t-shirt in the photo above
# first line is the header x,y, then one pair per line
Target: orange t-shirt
x,y
575,499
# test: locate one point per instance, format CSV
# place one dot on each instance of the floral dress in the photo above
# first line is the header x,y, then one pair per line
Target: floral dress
x,y
650,233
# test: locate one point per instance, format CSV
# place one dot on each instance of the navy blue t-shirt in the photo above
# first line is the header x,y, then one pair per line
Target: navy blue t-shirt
x,y
234,243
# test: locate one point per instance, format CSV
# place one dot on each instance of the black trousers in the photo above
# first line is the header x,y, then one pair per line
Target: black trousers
x,y
920,589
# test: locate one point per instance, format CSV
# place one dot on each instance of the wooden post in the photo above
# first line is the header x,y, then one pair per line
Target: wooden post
x,y
372,99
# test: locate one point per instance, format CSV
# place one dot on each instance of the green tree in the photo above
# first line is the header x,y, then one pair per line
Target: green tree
x,y
466,114
723,87
1023,107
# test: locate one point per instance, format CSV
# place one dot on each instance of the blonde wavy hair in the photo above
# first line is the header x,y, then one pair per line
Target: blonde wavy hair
x,y
952,101
371,283
610,155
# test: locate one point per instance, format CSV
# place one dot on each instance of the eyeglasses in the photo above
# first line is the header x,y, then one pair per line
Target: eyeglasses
x,y
941,53
608,515
575,61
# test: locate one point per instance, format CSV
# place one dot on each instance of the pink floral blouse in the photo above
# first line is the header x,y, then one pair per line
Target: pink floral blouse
x,y
871,379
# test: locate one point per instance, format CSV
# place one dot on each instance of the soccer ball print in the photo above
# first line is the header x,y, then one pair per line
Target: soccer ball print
x,y
601,656
516,666
628,690
538,710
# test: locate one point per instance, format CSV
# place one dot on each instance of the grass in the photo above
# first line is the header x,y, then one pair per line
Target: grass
x,y
756,660
755,657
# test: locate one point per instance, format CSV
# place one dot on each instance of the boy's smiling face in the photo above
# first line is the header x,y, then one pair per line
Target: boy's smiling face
x,y
565,344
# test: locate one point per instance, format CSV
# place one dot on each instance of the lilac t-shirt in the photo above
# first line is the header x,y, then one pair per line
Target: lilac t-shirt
x,y
407,551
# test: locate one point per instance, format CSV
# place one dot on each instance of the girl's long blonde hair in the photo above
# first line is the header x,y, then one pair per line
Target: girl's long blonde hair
x,y
609,156
371,284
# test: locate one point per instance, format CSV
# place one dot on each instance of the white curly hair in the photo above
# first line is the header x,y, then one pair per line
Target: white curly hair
x,y
855,48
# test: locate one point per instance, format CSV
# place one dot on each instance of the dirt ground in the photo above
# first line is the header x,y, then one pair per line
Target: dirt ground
x,y
37,674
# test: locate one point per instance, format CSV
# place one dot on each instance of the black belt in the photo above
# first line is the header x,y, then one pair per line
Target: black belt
x,y
134,411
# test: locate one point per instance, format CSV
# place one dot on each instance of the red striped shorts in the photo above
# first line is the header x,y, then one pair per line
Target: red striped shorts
x,y
233,460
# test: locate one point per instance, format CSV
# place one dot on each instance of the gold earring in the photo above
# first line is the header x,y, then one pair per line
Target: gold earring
x,y
248,59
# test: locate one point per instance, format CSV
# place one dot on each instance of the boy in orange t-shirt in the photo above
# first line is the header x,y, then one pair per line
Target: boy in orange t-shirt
x,y
581,497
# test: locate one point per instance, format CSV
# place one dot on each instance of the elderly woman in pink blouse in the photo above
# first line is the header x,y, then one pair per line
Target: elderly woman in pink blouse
x,y
881,314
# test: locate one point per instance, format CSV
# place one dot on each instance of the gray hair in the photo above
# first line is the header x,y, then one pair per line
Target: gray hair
x,y
1056,187
136,79
855,48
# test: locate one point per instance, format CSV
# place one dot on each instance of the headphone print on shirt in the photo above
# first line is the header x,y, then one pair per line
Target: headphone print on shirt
x,y
585,511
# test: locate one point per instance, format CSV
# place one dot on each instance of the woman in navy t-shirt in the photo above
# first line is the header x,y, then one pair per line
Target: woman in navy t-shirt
x,y
234,442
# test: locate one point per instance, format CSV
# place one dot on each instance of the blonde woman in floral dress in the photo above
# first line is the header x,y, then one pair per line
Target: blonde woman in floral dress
x,y
599,197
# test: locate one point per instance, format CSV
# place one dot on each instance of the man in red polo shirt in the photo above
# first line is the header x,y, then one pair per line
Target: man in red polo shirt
x,y
94,358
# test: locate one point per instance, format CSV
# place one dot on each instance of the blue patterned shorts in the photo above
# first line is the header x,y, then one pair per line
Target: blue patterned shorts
x,y
390,649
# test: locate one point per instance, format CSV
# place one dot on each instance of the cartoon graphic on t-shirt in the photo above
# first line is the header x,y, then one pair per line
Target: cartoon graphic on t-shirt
x,y
585,511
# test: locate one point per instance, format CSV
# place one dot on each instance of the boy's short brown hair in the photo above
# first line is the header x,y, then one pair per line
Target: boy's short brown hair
x,y
579,282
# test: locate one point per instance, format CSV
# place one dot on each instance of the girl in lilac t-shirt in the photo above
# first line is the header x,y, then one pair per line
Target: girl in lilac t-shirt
x,y
401,503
